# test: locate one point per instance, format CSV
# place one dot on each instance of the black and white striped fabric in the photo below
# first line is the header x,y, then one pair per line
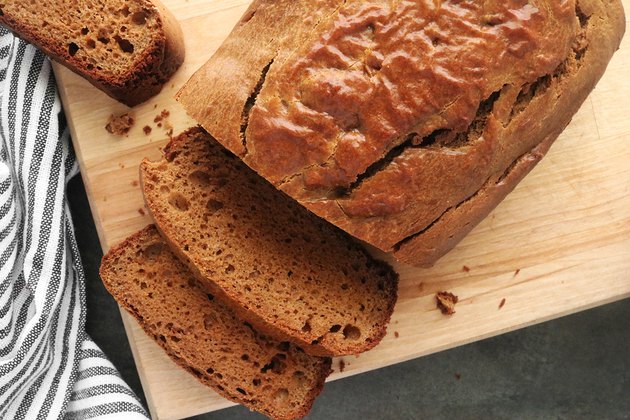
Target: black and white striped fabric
x,y
49,367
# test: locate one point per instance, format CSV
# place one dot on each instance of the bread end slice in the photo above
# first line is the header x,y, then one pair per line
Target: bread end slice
x,y
128,49
205,337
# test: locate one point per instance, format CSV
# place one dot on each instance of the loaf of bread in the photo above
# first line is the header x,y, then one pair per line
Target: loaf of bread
x,y
284,270
205,337
403,123
128,49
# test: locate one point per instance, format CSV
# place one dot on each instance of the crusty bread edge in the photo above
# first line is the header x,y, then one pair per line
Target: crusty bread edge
x,y
426,248
250,316
326,363
143,81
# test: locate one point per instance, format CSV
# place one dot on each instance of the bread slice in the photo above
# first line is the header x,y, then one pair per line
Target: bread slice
x,y
284,270
128,49
402,123
205,337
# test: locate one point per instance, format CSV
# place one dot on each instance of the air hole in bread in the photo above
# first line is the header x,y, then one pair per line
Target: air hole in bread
x,y
241,390
72,49
281,395
124,44
213,206
306,327
256,382
125,11
209,371
344,286
210,297
209,321
152,251
175,339
300,378
276,365
178,201
218,375
245,357
139,18
200,178
335,328
91,44
85,31
351,332
229,269
283,346
143,285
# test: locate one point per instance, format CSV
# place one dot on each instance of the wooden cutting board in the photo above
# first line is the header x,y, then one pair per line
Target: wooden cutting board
x,y
560,243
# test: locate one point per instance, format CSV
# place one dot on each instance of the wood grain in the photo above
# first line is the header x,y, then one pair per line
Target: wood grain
x,y
560,243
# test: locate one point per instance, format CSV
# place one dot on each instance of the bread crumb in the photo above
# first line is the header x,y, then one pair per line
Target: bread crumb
x,y
446,302
121,165
134,183
458,376
162,115
141,211
342,365
502,303
119,125
518,270
147,130
465,269
396,334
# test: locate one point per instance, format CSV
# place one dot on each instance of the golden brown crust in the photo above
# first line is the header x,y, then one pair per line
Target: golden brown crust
x,y
297,279
137,268
143,77
385,138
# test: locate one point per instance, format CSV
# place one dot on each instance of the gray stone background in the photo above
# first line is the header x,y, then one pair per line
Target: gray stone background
x,y
576,367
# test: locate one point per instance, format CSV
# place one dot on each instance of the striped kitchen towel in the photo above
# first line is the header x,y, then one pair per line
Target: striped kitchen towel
x,y
49,367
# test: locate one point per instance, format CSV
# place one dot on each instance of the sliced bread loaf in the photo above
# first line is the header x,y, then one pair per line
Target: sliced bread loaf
x,y
284,270
128,49
205,337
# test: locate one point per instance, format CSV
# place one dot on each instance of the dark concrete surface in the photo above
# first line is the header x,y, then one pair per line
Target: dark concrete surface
x,y
576,367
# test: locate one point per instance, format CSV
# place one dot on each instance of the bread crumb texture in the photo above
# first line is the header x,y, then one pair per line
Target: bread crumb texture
x,y
287,272
104,35
205,337
126,48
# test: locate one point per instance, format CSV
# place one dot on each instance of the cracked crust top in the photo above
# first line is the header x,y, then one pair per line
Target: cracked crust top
x,y
389,118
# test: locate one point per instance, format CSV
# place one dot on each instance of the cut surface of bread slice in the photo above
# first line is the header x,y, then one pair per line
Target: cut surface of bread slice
x,y
128,49
204,336
286,271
